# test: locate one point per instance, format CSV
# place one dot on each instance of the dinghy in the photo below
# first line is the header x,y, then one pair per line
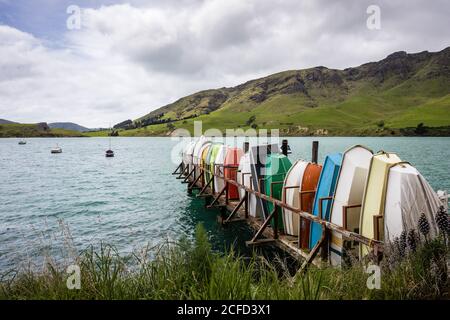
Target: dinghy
x,y
309,187
22,142
204,153
187,156
197,154
109,153
210,158
300,182
374,194
231,165
408,195
219,183
244,177
56,149
348,196
291,189
324,194
396,195
276,169
207,163
258,159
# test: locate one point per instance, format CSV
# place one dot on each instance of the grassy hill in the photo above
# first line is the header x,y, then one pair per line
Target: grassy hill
x,y
68,126
389,97
34,130
4,121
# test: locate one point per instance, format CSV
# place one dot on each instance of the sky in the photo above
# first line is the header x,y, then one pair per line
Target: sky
x,y
126,58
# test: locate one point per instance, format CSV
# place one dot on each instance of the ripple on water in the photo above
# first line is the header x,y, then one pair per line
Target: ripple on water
x,y
132,200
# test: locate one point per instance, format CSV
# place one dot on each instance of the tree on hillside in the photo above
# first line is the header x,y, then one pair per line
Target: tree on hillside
x,y
420,129
170,126
250,120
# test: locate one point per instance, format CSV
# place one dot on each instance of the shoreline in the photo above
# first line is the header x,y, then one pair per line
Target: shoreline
x,y
240,136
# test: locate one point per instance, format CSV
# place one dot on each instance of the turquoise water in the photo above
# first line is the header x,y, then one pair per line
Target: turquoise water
x,y
132,200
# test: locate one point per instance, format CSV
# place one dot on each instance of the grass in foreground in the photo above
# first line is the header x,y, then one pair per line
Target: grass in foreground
x,y
193,271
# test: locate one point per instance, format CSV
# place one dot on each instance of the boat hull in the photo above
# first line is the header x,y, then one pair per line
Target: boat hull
x,y
244,177
219,183
309,183
210,160
347,202
325,191
374,195
408,195
276,169
231,165
292,187
258,159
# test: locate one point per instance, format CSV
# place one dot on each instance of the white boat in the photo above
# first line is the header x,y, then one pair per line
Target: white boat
x,y
22,142
396,195
293,182
244,177
187,156
197,153
348,197
56,150
408,195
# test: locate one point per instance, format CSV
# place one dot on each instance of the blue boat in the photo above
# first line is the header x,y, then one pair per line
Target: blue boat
x,y
325,189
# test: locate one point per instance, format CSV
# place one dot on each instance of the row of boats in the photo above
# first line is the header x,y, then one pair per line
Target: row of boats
x,y
376,195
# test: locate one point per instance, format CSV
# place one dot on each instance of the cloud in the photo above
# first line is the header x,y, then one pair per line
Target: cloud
x,y
130,58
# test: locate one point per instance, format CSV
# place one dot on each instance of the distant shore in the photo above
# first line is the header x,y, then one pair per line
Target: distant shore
x,y
38,131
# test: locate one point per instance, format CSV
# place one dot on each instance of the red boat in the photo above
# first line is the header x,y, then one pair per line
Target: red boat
x,y
231,164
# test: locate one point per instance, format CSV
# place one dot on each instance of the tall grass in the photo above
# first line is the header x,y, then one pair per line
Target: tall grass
x,y
191,270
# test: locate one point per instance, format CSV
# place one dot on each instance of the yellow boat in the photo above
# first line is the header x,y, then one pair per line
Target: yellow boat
x,y
373,204
203,161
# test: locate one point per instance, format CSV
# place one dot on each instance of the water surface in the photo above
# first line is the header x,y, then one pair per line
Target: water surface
x,y
132,200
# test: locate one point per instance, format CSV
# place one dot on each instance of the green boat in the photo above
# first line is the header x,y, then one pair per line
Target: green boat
x,y
210,159
277,166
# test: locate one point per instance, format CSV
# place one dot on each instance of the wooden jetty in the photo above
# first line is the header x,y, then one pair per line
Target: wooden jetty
x,y
237,211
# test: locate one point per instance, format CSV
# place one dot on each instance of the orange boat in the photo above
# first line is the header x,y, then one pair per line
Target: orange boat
x,y
231,164
309,183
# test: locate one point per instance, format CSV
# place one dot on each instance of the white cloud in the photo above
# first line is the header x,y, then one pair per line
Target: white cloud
x,y
129,59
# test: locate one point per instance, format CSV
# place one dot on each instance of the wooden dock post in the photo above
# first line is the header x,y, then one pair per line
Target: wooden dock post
x,y
246,146
315,152
284,147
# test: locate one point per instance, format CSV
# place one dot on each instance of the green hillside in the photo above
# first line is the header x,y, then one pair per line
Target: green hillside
x,y
389,97
34,130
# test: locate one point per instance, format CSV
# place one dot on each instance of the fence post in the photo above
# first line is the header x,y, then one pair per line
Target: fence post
x,y
284,147
315,151
246,146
